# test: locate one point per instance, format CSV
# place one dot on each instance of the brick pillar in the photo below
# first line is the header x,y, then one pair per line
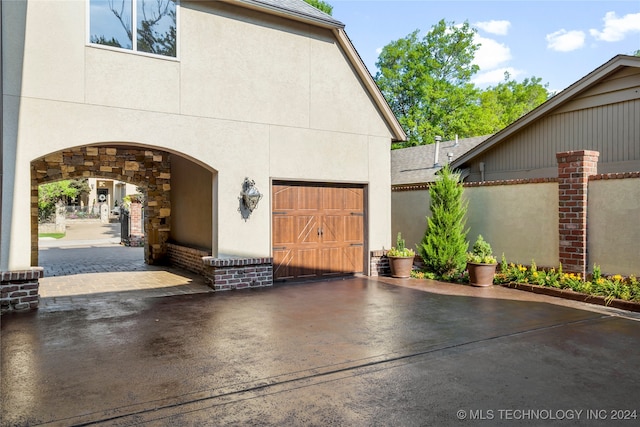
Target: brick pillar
x,y
135,216
574,169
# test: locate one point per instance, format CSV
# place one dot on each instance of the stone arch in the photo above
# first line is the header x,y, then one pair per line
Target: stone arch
x,y
145,167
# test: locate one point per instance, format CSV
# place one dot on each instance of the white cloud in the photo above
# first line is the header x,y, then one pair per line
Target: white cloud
x,y
565,41
500,28
491,54
615,29
378,51
496,76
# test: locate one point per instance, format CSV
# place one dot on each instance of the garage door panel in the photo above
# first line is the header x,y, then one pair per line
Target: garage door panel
x,y
352,259
332,256
282,267
284,197
306,230
332,199
353,199
353,229
283,230
306,263
308,198
332,229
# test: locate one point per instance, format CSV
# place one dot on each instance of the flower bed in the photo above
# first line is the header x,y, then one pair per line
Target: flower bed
x,y
617,291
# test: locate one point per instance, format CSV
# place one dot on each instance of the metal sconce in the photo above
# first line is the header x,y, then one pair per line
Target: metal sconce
x,y
249,198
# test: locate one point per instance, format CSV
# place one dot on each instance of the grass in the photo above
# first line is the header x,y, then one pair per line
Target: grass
x,y
52,235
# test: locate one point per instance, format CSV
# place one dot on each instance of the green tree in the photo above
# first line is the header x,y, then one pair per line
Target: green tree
x,y
427,81
321,5
444,245
506,102
50,194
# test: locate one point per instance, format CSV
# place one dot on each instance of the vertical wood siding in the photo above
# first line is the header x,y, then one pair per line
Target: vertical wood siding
x,y
613,130
605,118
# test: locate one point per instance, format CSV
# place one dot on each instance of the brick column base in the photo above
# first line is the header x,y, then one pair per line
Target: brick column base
x,y
19,289
574,169
238,273
379,263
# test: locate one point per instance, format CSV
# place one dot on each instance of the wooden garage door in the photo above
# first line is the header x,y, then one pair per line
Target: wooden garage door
x,y
318,231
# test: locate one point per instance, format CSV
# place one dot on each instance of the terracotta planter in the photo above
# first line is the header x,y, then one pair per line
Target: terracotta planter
x,y
481,274
401,266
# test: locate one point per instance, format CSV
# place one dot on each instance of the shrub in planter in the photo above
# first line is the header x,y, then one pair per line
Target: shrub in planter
x,y
481,263
401,258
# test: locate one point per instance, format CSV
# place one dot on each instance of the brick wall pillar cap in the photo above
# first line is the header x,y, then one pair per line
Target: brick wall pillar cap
x,y
578,153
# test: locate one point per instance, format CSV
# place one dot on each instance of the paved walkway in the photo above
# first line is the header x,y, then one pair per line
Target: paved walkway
x,y
89,260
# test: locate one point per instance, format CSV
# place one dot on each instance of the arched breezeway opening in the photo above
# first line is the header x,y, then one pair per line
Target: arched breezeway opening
x,y
178,196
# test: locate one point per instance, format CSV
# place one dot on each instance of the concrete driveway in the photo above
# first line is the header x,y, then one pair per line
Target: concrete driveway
x,y
354,352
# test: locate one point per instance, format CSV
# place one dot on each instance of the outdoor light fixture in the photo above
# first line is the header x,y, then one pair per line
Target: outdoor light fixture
x,y
249,198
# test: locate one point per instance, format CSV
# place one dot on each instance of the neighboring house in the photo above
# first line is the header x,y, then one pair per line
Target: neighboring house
x,y
413,169
107,191
561,185
270,90
419,165
600,112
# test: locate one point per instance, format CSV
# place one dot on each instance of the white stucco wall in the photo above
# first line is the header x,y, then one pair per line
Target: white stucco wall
x,y
520,221
250,96
614,226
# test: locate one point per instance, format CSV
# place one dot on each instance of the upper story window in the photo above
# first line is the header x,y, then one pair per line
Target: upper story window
x,y
139,25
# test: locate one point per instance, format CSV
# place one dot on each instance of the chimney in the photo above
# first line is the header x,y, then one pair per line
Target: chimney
x,y
437,153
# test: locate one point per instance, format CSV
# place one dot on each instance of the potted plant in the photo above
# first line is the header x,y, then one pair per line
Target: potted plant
x,y
401,259
481,263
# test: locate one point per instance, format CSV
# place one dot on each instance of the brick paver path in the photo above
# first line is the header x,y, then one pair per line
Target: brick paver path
x,y
90,264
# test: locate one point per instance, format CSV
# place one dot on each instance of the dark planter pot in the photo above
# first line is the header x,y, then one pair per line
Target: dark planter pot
x,y
401,266
481,274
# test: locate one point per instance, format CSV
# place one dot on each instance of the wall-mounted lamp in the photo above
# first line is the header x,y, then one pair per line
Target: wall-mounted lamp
x,y
249,198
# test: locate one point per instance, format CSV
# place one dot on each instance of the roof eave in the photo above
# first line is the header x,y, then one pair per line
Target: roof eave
x,y
379,99
551,104
286,13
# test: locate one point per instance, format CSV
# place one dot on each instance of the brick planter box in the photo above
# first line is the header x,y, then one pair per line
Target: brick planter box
x,y
575,296
19,289
238,273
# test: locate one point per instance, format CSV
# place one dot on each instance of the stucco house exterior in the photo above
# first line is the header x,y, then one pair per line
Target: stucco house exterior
x,y
269,92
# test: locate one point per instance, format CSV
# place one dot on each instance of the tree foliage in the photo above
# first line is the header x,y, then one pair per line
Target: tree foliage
x,y
65,191
427,80
321,5
506,102
428,84
444,245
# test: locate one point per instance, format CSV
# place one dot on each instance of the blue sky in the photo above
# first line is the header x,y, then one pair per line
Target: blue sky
x,y
558,41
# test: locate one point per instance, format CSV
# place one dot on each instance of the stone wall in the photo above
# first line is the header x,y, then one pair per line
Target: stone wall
x,y
238,273
150,169
19,289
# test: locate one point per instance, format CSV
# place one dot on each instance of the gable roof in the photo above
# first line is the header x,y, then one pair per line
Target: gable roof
x,y
293,8
555,102
415,165
301,11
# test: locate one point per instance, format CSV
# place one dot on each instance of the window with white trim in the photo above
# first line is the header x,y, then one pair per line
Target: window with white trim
x,y
140,25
